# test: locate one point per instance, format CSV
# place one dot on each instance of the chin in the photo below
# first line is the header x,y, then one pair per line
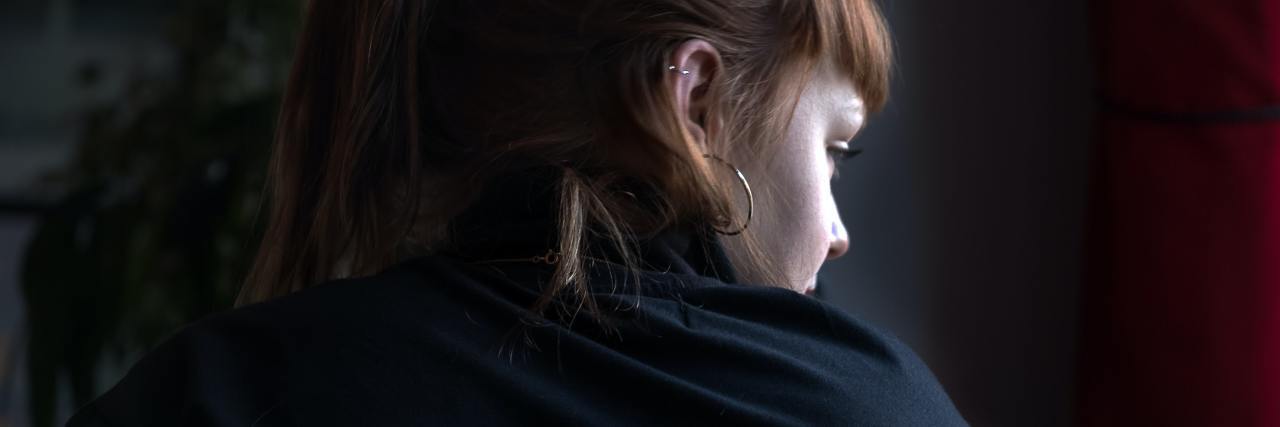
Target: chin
x,y
799,288
810,288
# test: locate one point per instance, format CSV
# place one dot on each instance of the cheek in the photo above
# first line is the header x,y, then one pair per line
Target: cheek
x,y
798,208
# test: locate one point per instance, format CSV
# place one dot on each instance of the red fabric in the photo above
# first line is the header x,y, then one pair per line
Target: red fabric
x,y
1181,315
1189,55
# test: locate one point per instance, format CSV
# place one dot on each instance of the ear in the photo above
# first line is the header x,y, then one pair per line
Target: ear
x,y
696,63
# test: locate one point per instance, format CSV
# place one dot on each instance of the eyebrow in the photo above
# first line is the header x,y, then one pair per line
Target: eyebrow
x,y
854,109
855,104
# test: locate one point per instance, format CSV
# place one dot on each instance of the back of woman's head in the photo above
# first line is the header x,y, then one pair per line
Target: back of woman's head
x,y
397,111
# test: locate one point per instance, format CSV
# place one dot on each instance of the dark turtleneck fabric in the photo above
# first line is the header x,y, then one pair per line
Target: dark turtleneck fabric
x,y
447,340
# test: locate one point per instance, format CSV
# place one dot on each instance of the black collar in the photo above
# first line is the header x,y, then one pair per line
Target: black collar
x,y
515,218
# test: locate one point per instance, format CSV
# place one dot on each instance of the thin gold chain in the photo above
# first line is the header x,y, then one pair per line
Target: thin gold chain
x,y
550,258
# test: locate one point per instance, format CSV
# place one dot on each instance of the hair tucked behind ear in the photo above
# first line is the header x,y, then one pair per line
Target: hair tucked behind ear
x,y
394,109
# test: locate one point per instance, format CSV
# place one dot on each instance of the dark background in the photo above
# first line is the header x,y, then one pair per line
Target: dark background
x,y
966,212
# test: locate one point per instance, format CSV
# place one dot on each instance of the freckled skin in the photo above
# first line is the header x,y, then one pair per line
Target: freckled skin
x,y
799,219
795,215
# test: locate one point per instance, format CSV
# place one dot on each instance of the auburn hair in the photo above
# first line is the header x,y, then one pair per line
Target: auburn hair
x,y
395,109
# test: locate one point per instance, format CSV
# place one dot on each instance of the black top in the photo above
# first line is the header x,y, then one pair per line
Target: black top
x,y
433,341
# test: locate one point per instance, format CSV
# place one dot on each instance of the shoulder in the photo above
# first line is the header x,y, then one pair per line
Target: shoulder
x,y
232,367
876,378
224,366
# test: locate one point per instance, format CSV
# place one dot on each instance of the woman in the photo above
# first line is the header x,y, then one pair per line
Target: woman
x,y
552,211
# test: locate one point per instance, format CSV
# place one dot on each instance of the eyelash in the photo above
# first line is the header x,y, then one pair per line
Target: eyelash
x,y
840,154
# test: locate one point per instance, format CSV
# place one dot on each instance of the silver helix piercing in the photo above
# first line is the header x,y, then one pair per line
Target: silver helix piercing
x,y
682,72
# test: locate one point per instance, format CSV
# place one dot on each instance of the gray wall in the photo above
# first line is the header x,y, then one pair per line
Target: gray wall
x,y
966,212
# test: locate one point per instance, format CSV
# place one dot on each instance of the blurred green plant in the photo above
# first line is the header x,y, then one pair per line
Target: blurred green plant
x,y
158,226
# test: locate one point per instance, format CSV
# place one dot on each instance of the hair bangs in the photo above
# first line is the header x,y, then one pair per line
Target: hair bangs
x,y
854,35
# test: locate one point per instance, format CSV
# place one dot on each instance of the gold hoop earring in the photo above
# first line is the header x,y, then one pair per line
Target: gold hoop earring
x,y
751,200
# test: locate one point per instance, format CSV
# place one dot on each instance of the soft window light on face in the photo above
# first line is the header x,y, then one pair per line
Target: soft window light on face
x,y
800,219
841,149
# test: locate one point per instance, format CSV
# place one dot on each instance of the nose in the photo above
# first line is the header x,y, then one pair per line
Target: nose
x,y
839,239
